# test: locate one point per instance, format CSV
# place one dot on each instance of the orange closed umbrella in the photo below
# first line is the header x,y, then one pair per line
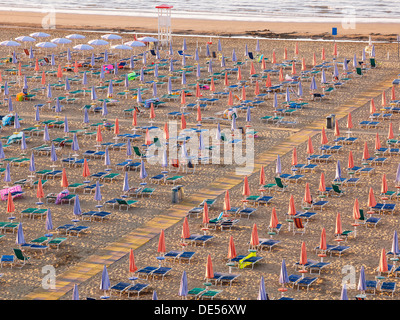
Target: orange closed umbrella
x,y
349,121
273,57
183,97
314,61
337,131
147,137
293,69
254,241
365,152
227,202
307,194
257,89
383,99
231,249
303,65
292,207
377,142
152,112
64,180
37,65
350,163
209,268
132,266
86,171
198,118
252,69
294,157
76,69
166,131
384,186
324,138
356,210
198,92
322,242
243,93
116,126
161,243
43,80
335,49
10,203
310,148
226,81
263,64
230,99
372,108
239,74
322,186
246,188
134,118
303,254
338,227
285,54
19,69
185,229
281,77
371,198
59,71
212,85
99,137
323,54
205,214
183,122
274,219
383,266
296,49
393,94
262,176
390,132
268,83
39,191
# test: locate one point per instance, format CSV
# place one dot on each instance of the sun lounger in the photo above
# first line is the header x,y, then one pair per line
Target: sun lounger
x,y
268,243
306,282
161,272
319,204
21,258
125,203
388,287
7,260
318,266
247,211
34,247
338,249
195,292
77,230
137,288
56,242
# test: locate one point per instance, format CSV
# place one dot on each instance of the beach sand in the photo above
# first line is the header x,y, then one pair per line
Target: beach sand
x,y
365,249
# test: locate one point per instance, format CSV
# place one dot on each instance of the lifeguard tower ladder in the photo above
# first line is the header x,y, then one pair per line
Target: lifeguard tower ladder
x,y
164,24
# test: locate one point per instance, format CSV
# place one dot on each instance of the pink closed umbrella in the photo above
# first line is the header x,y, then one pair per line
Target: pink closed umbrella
x,y
231,249
390,132
294,157
205,214
161,243
246,188
185,229
274,219
209,269
322,186
324,138
254,241
356,210
292,207
384,99
307,194
371,198
383,265
351,160
384,186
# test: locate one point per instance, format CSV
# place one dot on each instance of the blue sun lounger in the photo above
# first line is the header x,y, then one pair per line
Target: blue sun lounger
x,y
268,243
305,282
338,249
137,288
161,272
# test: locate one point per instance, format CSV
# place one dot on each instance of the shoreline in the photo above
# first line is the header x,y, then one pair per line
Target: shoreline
x,y
278,30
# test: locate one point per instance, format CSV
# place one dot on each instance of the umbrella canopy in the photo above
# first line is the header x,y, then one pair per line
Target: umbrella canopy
x,y
362,283
132,266
283,276
209,268
60,41
383,265
262,294
205,214
77,206
25,39
231,249
98,42
343,295
83,47
294,156
356,210
183,287
49,221
274,219
303,254
97,193
20,235
292,207
322,186
384,185
338,226
185,229
134,44
371,198
246,188
322,242
105,280
254,240
161,243
307,194
46,45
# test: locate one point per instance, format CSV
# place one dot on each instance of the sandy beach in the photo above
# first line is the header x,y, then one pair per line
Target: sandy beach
x,y
78,253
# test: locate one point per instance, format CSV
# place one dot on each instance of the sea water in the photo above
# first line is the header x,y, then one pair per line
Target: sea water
x,y
236,10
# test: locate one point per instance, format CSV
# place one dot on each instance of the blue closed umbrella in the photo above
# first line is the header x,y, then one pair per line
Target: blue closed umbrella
x,y
141,76
104,110
287,97
169,89
125,186
262,294
32,167
105,57
183,60
37,114
183,287
23,142
126,81
343,295
246,50
275,104
46,136
25,83
171,50
6,90
156,71
52,61
85,116
207,50
219,45
139,96
395,244
7,174
93,95
154,89
10,105
323,77
2,155
77,206
69,58
154,297
171,66
234,58
338,174
283,277
110,88
196,55
300,90
313,85
16,121
345,65
164,162
105,280
362,283
49,221
143,173
84,79
184,78
223,61
14,58
75,293
397,180
233,124
336,71
107,161
67,85
97,193
20,235
116,68
66,127
75,145
248,114
258,46
128,148
144,58
210,67
184,47
131,63
58,105
53,155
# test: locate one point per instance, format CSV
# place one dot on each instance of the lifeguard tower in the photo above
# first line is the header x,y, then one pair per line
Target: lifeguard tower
x,y
164,24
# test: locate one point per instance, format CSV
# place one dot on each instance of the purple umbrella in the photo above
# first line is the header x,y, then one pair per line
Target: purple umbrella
x,y
107,161
210,68
105,280
46,136
10,105
262,294
97,193
53,155
184,78
20,235
125,187
67,85
283,277
66,127
278,169
75,293
104,110
49,221
49,94
154,89
154,297
171,66
143,173
23,142
395,244
7,175
37,114
93,95
248,114
343,295
84,79
75,145
139,96
169,89
128,148
6,91
2,155
32,167
207,50
219,45
77,206
86,116
234,58
58,105
183,287
16,121
110,89
362,283
196,55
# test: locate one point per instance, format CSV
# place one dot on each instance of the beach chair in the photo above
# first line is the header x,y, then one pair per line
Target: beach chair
x,y
339,250
161,272
120,287
195,292
7,260
293,278
319,204
77,230
337,191
21,257
210,294
125,203
268,243
388,287
280,185
372,285
372,221
56,242
247,211
146,271
318,266
306,282
136,288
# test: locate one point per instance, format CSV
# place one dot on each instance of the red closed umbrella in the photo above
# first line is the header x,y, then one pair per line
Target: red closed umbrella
x,y
64,180
212,85
303,65
307,194
39,191
323,54
86,171
273,57
59,71
338,226
324,138
185,229
356,210
132,266
198,114
134,118
274,219
205,214
226,81
116,126
384,99
43,80
337,131
322,242
99,137
209,269
262,176
314,63
322,186
252,69
147,137
390,132
257,89
183,122
292,207
371,198
231,249
254,240
365,152
37,65
239,74
246,188
349,121
294,157
166,131
393,94
310,148
303,254
350,163
161,243
230,99
243,93
152,112
383,265
372,108
268,83
377,142
10,203
227,202
281,77
384,186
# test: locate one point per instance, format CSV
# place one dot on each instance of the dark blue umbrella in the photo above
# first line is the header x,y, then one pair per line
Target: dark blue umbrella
x,y
77,206
183,287
20,235
49,221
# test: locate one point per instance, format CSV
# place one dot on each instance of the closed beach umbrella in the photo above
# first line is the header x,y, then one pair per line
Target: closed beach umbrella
x,y
337,131
75,292
143,173
377,142
185,229
46,136
161,243
356,210
53,155
273,223
303,254
395,244
365,152
294,157
384,185
338,174
324,138
99,137
313,85
322,186
209,269
350,163
132,265
39,191
105,280
322,242
262,176
349,121
310,148
338,226
283,276
390,131
227,202
307,194
64,180
104,110
383,265
125,186
231,249
183,287
77,206
7,174
246,188
371,198
254,240
32,167
262,294
75,144
362,283
97,193
278,167
66,127
107,161
397,180
85,116
49,221
343,295
20,235
10,203
292,207
23,142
